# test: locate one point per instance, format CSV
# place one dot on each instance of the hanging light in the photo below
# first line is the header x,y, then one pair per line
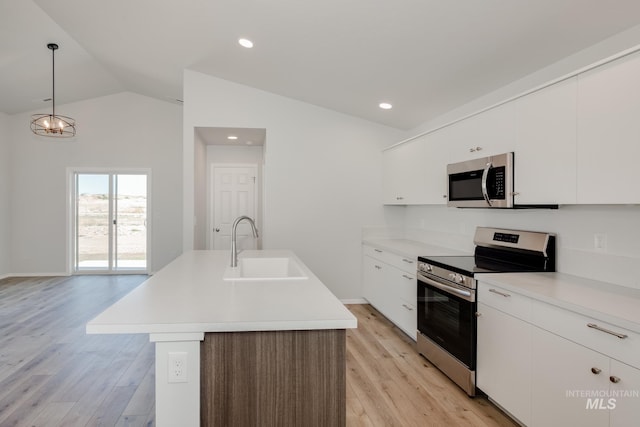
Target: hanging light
x,y
52,124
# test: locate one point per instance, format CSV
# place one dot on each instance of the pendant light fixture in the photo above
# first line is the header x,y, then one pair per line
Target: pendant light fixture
x,y
52,124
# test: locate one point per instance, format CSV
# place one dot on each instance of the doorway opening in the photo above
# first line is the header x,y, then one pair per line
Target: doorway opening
x,y
228,183
109,222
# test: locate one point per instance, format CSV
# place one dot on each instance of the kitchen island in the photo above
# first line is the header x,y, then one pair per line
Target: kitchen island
x,y
255,352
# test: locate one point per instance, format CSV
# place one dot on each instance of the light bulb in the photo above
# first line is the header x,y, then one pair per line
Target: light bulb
x,y
246,43
61,124
46,124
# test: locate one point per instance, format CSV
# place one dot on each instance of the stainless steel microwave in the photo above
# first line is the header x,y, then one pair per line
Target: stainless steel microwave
x,y
486,182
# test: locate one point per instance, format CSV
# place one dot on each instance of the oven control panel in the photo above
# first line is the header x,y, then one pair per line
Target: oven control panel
x,y
435,271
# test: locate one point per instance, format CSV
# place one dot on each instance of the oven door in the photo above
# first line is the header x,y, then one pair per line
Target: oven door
x,y
447,315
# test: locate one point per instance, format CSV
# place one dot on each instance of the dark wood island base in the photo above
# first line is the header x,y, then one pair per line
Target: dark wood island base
x,y
273,378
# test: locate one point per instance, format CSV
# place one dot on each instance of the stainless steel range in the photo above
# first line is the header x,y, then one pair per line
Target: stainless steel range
x,y
447,295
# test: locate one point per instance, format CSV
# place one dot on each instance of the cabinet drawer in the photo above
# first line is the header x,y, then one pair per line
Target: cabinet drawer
x,y
588,332
407,318
403,263
505,300
407,287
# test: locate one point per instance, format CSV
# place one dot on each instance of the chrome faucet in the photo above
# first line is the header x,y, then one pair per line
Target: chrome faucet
x,y
234,227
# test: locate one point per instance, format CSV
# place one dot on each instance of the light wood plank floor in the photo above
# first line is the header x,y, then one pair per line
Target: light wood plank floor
x,y
53,374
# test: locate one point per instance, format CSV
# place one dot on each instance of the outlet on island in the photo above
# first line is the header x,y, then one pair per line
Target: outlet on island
x,y
177,367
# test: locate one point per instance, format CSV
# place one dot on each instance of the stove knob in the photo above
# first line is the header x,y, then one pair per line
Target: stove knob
x,y
458,278
429,268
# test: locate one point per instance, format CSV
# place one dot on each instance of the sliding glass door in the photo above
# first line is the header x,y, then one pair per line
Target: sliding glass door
x,y
110,222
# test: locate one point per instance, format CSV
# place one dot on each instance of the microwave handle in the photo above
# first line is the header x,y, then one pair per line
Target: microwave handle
x,y
485,175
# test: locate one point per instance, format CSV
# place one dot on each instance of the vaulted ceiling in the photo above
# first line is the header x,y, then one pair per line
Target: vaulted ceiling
x,y
423,56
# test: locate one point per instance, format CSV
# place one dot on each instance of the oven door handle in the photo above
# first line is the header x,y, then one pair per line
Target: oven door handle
x,y
485,176
464,294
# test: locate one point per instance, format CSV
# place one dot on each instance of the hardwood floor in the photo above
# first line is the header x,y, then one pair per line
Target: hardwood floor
x,y
390,384
53,374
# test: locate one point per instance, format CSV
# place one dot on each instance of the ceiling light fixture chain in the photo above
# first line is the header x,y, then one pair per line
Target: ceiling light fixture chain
x,y
51,124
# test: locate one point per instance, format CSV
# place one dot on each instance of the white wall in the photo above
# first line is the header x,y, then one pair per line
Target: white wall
x,y
125,130
200,193
5,204
322,173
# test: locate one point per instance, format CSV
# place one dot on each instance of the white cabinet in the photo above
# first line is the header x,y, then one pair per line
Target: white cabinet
x,y
562,371
545,154
373,281
488,133
548,366
414,173
401,173
627,409
504,361
609,133
390,285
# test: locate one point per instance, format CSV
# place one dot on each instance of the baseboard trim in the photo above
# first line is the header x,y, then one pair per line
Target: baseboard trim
x,y
354,301
58,274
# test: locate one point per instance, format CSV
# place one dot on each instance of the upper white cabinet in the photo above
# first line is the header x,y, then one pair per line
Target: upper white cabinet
x,y
485,134
545,154
609,133
414,173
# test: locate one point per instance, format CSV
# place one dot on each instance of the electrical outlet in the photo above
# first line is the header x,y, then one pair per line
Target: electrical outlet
x,y
600,241
177,369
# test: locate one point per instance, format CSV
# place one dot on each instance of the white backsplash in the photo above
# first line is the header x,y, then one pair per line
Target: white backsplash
x,y
574,226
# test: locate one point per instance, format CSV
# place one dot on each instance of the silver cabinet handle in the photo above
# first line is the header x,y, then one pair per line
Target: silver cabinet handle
x,y
399,198
474,149
614,379
378,250
485,175
407,307
596,371
478,314
499,293
407,277
378,267
444,196
217,230
596,327
408,261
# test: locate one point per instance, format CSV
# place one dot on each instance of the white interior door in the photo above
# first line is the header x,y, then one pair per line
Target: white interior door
x,y
233,193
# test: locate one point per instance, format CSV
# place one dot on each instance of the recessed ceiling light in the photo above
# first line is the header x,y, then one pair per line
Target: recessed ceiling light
x,y
385,106
245,43
249,142
232,137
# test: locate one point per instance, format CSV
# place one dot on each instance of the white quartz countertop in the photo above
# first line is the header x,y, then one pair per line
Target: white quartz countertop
x,y
615,304
412,248
190,296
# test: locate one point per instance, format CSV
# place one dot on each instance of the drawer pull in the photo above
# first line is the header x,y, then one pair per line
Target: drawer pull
x,y
408,261
407,307
378,267
614,379
407,277
378,250
499,293
594,326
596,371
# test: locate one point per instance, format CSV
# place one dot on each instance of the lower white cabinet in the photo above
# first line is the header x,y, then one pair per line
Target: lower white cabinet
x,y
504,361
562,371
389,284
539,363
